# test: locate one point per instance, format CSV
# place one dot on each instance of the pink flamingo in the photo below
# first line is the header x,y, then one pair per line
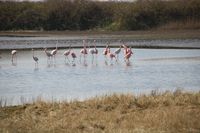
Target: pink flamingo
x,y
111,55
125,49
105,51
74,57
67,53
128,54
84,50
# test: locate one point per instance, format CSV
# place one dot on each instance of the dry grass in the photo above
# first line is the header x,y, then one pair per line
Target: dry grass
x,y
167,112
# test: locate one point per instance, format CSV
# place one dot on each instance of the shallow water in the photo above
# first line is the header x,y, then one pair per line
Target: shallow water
x,y
150,69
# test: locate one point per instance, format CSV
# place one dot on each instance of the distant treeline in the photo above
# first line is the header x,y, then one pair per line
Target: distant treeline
x,y
93,15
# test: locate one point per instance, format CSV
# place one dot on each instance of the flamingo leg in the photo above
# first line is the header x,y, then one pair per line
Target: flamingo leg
x,y
116,58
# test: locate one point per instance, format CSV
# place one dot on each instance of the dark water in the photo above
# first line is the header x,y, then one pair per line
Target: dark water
x,y
150,69
49,42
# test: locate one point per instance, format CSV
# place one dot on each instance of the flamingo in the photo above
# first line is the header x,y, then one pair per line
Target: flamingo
x,y
93,51
53,52
128,54
35,58
117,51
105,51
13,53
48,54
84,50
67,53
125,49
111,55
74,57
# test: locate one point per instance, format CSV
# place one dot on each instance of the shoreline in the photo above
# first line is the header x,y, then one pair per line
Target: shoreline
x,y
114,46
143,34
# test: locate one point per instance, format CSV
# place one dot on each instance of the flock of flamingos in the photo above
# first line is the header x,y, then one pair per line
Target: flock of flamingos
x,y
83,52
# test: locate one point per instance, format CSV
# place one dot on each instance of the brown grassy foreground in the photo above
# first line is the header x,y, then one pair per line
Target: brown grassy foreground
x,y
167,112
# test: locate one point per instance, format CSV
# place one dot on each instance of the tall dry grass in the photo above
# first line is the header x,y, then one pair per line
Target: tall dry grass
x,y
166,112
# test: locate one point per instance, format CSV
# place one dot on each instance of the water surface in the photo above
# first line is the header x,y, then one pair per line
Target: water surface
x,y
150,69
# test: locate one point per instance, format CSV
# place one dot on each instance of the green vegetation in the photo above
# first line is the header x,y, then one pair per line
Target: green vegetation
x,y
93,15
166,112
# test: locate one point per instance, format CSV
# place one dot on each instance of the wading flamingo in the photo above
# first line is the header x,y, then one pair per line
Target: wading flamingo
x,y
105,51
73,57
48,54
53,52
83,51
93,51
35,58
129,53
117,51
111,55
67,53
13,53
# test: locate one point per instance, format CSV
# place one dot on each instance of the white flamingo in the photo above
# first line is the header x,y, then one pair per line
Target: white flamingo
x,y
48,54
35,58
54,52
13,53
67,53
117,51
83,51
93,51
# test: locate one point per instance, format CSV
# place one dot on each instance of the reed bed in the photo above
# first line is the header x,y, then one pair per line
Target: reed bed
x,y
156,112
